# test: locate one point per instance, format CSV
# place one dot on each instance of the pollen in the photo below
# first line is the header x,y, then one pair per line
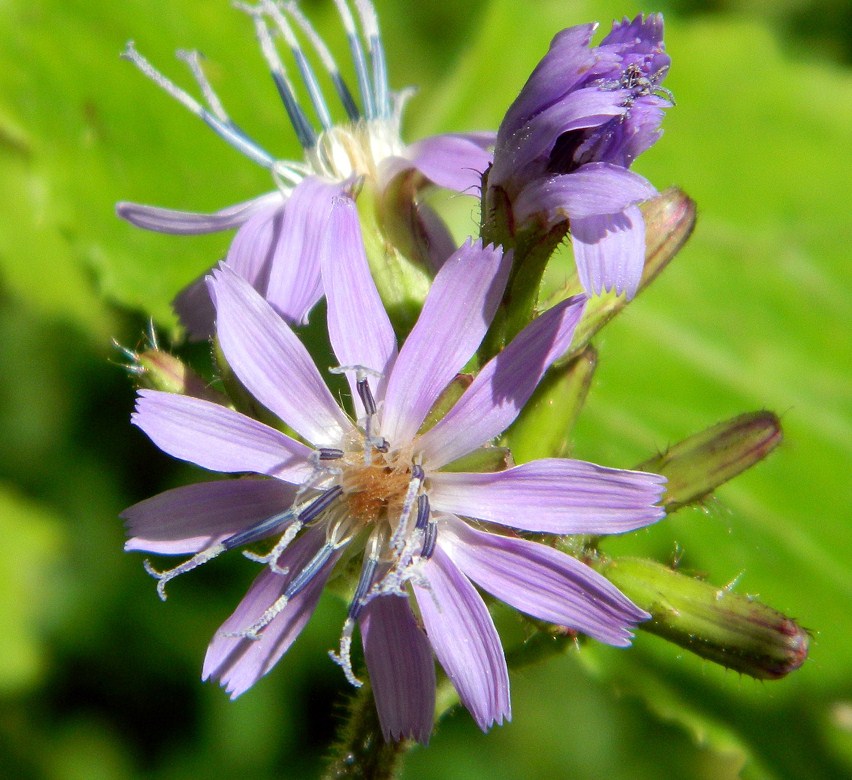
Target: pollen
x,y
376,491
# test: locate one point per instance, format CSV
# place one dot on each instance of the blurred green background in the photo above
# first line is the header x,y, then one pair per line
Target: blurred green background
x,y
98,679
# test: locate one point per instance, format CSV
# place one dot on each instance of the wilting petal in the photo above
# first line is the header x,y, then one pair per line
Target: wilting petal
x,y
238,663
271,361
457,312
596,188
503,386
543,582
194,517
610,251
218,438
191,223
361,333
463,636
455,161
567,62
402,671
295,283
555,495
535,140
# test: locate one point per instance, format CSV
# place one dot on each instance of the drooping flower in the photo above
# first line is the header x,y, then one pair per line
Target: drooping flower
x,y
565,145
278,233
376,480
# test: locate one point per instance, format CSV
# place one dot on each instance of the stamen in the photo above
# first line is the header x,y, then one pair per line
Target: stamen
x,y
304,132
225,130
358,58
368,570
301,517
401,535
370,25
328,62
307,73
193,60
299,583
197,560
329,453
259,530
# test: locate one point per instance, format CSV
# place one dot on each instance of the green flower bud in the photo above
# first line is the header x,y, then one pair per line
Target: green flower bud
x,y
735,631
159,370
699,464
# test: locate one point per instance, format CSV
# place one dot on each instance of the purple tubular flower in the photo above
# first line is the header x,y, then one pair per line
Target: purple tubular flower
x,y
564,146
276,246
376,484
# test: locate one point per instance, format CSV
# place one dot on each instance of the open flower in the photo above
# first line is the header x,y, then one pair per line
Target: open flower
x,y
565,144
276,244
376,480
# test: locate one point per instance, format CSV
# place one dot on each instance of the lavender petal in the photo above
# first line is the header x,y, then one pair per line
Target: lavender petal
x,y
272,363
465,641
218,438
402,671
190,223
593,189
554,495
194,517
238,663
359,328
503,386
543,582
457,312
610,251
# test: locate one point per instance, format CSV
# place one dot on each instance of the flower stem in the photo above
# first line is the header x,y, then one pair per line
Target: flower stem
x,y
360,751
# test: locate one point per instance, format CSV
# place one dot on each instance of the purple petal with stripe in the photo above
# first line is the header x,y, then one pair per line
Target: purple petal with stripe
x,y
192,223
609,251
457,312
554,495
464,639
543,582
359,328
295,282
568,61
593,189
272,363
402,670
238,663
194,517
535,140
218,438
503,386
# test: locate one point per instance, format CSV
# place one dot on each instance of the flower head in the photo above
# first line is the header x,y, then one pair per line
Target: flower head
x,y
565,144
376,479
275,247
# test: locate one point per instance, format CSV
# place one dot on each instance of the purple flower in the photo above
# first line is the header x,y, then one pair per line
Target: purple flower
x,y
375,480
565,144
278,234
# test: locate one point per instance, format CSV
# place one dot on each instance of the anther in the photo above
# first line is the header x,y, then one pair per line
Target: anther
x,y
358,58
329,453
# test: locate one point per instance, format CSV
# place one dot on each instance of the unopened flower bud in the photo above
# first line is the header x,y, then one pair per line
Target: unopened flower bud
x,y
159,370
732,630
699,464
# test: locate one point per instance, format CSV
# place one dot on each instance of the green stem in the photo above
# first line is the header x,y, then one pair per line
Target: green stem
x,y
360,752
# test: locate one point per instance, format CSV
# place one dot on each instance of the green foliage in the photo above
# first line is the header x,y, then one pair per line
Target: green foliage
x,y
754,313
